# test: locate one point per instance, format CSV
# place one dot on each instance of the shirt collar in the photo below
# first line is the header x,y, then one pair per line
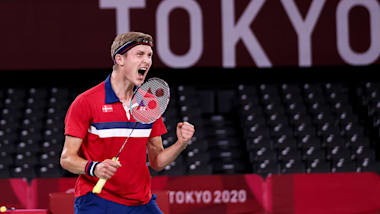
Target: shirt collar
x,y
110,93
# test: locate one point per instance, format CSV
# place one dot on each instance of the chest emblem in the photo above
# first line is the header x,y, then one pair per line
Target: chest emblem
x,y
107,108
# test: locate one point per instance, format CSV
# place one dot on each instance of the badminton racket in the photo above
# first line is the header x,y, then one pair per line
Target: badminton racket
x,y
148,103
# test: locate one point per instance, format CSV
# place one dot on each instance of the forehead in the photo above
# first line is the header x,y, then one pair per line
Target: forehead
x,y
142,48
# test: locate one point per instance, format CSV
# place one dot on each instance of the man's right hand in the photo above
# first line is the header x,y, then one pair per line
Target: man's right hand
x,y
106,169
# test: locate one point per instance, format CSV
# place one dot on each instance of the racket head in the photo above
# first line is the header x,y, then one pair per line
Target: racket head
x,y
150,100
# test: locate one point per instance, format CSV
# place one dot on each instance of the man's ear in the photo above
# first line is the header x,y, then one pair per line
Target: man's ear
x,y
119,59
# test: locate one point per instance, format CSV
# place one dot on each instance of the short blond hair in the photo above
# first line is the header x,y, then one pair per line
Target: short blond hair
x,y
124,38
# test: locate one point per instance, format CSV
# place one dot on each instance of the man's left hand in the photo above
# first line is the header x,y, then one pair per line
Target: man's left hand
x,y
185,132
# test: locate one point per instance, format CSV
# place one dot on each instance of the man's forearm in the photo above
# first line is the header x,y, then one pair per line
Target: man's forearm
x,y
74,164
168,155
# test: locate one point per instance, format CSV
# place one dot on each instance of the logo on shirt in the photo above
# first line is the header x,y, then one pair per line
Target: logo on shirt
x,y
107,108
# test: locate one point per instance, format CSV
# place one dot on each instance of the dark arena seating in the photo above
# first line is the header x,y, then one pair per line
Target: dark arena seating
x,y
259,127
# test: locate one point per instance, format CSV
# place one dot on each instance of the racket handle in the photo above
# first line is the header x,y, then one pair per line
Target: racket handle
x,y
99,185
102,181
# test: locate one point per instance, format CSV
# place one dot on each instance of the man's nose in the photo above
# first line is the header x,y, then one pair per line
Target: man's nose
x,y
147,60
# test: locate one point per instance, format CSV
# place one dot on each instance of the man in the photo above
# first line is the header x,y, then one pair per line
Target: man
x,y
88,149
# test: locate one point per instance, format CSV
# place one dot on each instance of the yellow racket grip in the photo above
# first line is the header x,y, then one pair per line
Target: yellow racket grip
x,y
102,181
99,185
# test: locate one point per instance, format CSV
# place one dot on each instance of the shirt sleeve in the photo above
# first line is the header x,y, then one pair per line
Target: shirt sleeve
x,y
158,128
78,118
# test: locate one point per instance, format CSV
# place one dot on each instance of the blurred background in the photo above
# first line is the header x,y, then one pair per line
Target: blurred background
x,y
282,93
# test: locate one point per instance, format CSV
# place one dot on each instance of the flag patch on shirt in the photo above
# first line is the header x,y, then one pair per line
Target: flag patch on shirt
x,y
107,108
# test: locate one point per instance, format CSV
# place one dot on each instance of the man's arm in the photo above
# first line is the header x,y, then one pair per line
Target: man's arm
x,y
71,161
160,157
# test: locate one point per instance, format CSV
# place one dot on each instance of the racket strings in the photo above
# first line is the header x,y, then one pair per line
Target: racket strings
x,y
150,101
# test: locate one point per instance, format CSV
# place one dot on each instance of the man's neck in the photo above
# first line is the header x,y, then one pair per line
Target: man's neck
x,y
122,87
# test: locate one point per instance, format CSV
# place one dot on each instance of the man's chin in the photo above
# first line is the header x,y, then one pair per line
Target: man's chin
x,y
139,81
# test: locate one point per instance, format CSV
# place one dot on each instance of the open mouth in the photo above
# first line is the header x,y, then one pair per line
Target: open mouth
x,y
142,71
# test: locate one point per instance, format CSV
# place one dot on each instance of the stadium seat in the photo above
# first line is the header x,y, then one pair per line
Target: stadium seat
x,y
337,152
317,165
292,166
7,143
266,167
49,170
6,158
4,171
311,153
284,141
259,142
289,153
50,157
25,158
262,154
367,165
229,167
28,145
342,165
23,171
198,169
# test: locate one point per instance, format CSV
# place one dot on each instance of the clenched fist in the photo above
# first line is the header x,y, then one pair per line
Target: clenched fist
x,y
185,132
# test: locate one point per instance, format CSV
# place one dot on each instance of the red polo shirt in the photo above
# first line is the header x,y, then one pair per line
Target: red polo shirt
x,y
98,117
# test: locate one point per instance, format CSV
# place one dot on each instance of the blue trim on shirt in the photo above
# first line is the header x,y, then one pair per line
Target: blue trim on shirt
x,y
115,125
110,94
